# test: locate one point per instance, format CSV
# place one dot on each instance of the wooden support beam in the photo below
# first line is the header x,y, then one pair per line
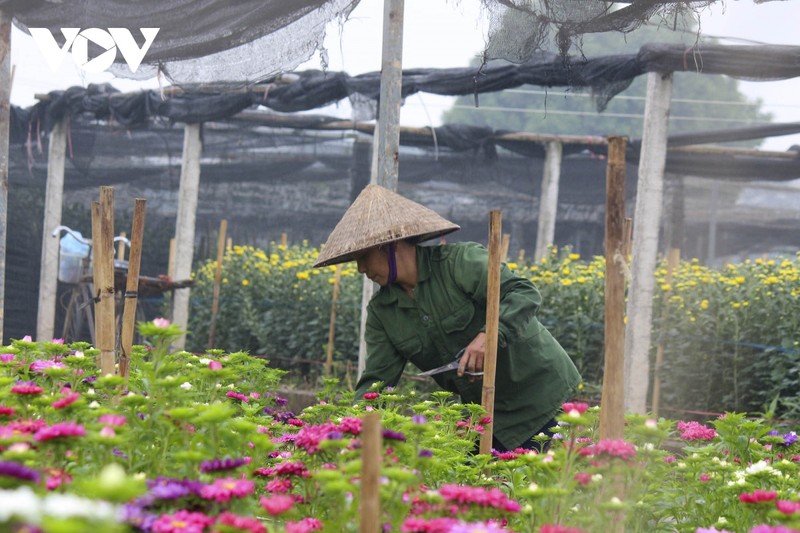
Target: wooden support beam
x,y
612,405
649,198
548,200
390,95
492,323
54,196
185,225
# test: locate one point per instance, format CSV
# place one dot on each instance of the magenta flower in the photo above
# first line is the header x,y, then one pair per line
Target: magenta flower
x,y
711,529
434,525
578,407
787,506
476,527
7,411
161,322
279,486
222,490
182,522
57,341
277,504
291,468
67,400
584,478
370,395
306,525
56,478
237,396
242,523
228,463
26,388
695,431
59,430
612,448
17,471
40,366
758,496
112,420
6,357
480,496
215,365
764,528
557,528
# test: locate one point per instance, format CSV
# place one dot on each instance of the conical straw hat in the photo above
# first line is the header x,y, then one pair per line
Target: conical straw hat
x,y
380,216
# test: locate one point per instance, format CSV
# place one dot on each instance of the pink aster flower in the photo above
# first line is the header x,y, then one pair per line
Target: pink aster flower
x,y
161,322
237,396
758,496
350,424
56,478
557,528
182,522
611,448
215,365
764,528
26,388
480,496
251,525
108,432
279,486
711,529
222,490
370,395
584,478
6,357
434,525
476,527
57,341
277,504
695,431
578,407
787,506
59,430
291,468
69,399
7,411
27,338
306,525
112,420
41,366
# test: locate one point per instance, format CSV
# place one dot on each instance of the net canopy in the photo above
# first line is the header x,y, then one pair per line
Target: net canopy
x,y
197,40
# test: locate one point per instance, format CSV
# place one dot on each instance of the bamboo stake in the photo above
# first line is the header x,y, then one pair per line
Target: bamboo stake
x,y
132,286
673,258
504,244
492,318
121,247
212,330
332,326
96,276
284,240
171,260
612,405
229,244
371,445
104,263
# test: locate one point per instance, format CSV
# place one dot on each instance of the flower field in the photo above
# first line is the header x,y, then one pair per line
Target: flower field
x,y
202,443
731,336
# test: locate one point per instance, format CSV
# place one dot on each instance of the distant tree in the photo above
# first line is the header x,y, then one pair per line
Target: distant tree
x,y
714,101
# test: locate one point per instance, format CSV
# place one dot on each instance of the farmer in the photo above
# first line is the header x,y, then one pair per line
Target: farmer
x,y
432,304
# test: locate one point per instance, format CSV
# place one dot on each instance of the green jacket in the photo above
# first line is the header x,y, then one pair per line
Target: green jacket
x,y
534,373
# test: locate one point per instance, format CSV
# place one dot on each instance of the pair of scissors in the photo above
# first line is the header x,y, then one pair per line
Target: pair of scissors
x,y
450,366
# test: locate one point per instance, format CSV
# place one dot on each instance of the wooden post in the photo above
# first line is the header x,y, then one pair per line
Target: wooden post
x,y
132,286
171,260
184,231
612,405
492,320
284,240
332,326
627,235
548,200
212,330
504,244
121,246
229,244
371,448
103,247
54,196
673,259
5,124
390,95
649,197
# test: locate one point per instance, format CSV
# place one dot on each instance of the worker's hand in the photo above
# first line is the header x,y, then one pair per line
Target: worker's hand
x,y
472,360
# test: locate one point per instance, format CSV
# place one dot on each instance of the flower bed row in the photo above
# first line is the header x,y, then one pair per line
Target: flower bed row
x,y
201,443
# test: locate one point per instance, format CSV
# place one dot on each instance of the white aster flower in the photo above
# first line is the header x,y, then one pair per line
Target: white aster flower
x,y
186,385
22,503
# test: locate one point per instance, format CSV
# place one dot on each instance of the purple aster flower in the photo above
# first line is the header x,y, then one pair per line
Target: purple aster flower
x,y
218,465
388,434
6,357
18,471
335,435
773,433
90,379
419,419
169,491
789,438
136,515
116,451
425,453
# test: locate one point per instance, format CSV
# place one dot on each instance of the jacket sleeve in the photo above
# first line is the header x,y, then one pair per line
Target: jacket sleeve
x,y
519,298
383,362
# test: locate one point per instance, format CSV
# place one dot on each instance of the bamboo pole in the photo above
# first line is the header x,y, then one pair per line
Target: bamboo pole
x,y
121,246
371,445
673,258
492,319
212,330
103,245
54,196
96,276
612,405
171,260
5,124
131,286
504,244
332,326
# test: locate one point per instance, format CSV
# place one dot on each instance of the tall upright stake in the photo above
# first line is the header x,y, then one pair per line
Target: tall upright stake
x,y
390,96
132,287
103,247
5,124
212,330
332,325
371,444
612,406
673,259
492,320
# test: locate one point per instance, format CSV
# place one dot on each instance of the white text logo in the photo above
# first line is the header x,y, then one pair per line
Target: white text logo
x,y
78,40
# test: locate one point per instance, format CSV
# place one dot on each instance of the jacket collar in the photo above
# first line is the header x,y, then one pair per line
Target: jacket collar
x,y
394,293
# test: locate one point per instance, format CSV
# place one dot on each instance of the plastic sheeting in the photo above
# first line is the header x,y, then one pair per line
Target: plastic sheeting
x,y
198,40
